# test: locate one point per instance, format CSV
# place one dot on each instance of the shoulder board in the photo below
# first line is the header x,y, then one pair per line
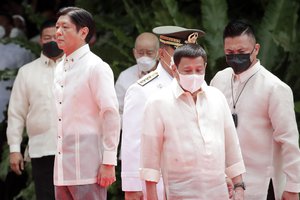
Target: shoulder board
x,y
148,78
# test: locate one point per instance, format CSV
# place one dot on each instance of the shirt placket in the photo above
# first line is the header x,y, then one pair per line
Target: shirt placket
x,y
60,124
203,123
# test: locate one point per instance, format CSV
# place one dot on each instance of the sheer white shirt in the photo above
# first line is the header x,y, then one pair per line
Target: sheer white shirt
x,y
267,129
87,117
31,107
192,144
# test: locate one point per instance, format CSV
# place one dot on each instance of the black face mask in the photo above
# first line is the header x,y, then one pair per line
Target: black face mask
x,y
51,49
239,62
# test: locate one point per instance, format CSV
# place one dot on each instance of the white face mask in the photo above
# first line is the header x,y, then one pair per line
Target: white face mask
x,y
191,82
145,63
16,32
2,32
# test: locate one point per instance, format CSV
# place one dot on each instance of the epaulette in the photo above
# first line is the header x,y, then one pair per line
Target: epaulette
x,y
147,78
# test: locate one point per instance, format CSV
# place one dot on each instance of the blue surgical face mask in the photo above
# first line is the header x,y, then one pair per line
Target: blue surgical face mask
x,y
239,62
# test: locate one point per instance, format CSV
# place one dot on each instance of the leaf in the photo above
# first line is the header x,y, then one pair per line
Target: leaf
x,y
214,19
297,107
4,164
284,33
276,29
172,8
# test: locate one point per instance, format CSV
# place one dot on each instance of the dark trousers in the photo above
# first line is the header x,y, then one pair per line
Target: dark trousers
x,y
271,195
42,173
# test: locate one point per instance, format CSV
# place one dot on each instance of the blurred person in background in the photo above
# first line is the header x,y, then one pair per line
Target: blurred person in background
x,y
145,52
31,107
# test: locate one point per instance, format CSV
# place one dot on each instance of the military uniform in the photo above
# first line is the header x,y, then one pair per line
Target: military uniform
x,y
124,81
134,107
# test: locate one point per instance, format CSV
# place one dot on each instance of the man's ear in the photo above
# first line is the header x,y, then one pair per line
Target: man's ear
x,y
174,71
257,47
84,32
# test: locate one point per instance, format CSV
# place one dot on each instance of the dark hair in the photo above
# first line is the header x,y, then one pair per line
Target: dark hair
x,y
190,51
81,18
47,24
237,28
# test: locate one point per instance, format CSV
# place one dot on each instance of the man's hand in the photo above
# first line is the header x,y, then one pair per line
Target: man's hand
x,y
16,162
106,175
136,195
151,190
229,187
290,196
238,194
238,191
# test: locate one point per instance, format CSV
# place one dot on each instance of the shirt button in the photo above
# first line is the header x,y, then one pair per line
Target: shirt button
x,y
62,86
59,137
59,102
58,152
59,119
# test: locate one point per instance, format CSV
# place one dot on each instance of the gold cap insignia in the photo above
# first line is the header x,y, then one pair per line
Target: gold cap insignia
x,y
192,38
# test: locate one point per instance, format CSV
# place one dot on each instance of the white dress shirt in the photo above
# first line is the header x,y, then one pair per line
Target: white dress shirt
x,y
12,57
31,106
266,128
134,109
192,144
124,81
87,116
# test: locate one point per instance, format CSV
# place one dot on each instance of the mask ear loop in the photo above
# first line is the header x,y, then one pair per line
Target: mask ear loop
x,y
251,54
171,60
253,49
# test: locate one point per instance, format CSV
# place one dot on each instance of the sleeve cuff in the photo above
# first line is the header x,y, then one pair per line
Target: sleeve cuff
x,y
14,148
131,183
235,170
110,158
292,187
149,174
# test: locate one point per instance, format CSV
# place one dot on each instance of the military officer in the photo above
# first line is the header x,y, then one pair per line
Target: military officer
x,y
170,37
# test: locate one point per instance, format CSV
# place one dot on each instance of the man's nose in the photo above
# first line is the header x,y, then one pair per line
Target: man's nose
x,y
58,31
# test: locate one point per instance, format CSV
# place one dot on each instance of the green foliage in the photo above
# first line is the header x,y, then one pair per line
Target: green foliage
x,y
214,20
28,193
33,17
23,42
284,32
8,74
297,106
277,30
4,164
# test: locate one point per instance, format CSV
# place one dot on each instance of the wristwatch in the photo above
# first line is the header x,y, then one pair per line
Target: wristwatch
x,y
242,185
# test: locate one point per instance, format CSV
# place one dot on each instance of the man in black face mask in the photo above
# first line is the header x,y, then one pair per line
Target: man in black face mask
x,y
31,106
263,111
